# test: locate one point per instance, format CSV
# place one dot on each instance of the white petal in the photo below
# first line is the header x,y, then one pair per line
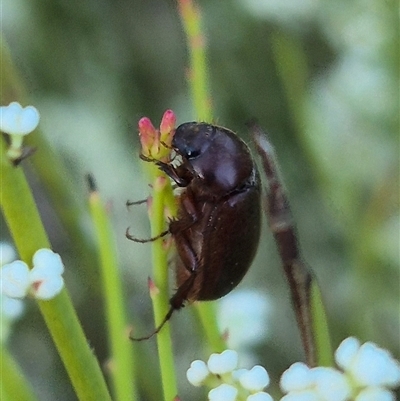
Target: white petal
x,y
297,377
223,363
331,384
15,279
346,352
375,366
197,373
375,394
8,116
16,120
238,373
48,259
11,308
42,273
224,392
306,395
29,119
48,288
7,253
255,379
261,396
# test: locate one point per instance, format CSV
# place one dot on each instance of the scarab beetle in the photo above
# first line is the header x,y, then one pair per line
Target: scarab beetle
x,y
217,228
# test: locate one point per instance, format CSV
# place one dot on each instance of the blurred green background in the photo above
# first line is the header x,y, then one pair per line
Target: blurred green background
x,y
320,76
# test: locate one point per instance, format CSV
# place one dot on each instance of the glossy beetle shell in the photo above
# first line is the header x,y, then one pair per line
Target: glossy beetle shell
x,y
217,228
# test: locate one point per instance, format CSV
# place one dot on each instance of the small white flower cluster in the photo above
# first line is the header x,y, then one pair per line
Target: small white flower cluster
x,y
17,121
44,281
230,383
367,373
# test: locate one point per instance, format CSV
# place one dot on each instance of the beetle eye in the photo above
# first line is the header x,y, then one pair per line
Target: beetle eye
x,y
191,154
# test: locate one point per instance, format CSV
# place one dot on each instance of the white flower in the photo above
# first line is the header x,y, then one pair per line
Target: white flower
x,y
346,352
224,392
330,384
375,394
369,372
7,253
45,276
15,279
45,286
255,379
374,366
11,308
197,373
223,363
16,120
46,258
261,396
320,383
44,281
306,395
232,384
296,378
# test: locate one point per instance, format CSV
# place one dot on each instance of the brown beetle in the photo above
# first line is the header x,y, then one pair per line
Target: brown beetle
x,y
217,228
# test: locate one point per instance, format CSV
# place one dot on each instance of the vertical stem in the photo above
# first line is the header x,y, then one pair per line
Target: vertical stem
x,y
198,81
198,75
13,384
26,228
160,294
121,366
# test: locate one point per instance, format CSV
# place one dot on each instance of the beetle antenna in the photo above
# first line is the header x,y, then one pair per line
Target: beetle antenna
x,y
157,330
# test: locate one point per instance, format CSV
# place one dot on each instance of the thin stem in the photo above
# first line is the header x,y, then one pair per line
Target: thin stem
x,y
121,364
13,383
206,313
56,180
198,80
320,328
160,294
198,74
27,230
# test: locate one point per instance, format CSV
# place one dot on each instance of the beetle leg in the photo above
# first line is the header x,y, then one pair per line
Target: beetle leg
x,y
176,303
172,172
298,273
139,202
143,241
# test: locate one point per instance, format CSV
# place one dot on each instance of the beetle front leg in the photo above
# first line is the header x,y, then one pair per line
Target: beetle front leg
x,y
179,175
279,216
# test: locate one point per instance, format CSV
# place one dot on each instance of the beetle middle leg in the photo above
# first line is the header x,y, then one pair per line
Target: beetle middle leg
x,y
178,228
181,295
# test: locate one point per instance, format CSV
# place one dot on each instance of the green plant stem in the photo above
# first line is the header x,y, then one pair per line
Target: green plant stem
x,y
291,64
24,223
13,383
198,80
320,328
160,294
206,313
198,75
121,364
56,180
